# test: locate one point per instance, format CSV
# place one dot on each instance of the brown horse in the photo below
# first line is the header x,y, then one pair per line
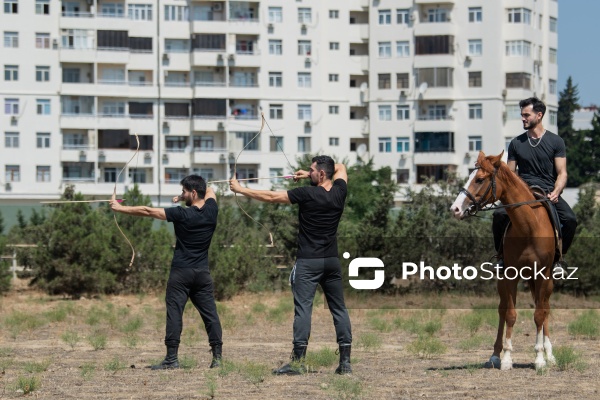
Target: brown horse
x,y
529,245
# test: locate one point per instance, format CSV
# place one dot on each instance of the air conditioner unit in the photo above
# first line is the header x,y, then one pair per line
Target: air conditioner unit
x,y
101,154
307,60
147,155
165,124
13,120
303,27
166,56
307,124
503,92
504,115
270,26
403,156
402,93
231,56
411,17
55,43
220,126
467,155
220,57
165,157
217,7
7,186
468,59
82,153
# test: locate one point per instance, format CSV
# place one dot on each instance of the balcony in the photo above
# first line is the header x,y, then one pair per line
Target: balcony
x,y
115,156
209,123
426,123
211,155
436,2
178,125
208,57
77,55
77,121
112,55
358,64
435,28
113,121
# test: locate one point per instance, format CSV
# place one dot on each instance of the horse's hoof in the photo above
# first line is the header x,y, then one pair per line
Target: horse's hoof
x,y
493,363
506,366
551,360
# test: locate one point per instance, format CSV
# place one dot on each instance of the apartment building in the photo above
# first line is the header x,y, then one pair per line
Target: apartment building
x,y
417,85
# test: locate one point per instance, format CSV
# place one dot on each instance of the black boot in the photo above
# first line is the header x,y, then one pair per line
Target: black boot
x,y
296,367
170,361
344,367
216,350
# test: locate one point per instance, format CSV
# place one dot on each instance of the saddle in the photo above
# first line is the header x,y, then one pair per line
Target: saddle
x,y
541,194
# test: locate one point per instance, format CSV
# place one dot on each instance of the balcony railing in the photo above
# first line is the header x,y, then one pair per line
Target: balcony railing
x,y
435,118
209,116
245,116
209,83
78,179
138,83
243,84
76,146
141,116
177,84
112,115
210,149
81,114
175,150
77,14
112,82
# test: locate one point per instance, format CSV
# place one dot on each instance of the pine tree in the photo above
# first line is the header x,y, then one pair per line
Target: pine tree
x,y
574,140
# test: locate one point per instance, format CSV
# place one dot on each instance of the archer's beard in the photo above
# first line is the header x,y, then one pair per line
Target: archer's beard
x,y
530,125
188,202
313,183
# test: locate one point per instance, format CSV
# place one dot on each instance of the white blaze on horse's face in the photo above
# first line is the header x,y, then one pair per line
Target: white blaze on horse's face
x,y
462,202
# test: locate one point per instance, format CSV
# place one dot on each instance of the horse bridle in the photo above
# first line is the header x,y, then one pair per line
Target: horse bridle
x,y
485,198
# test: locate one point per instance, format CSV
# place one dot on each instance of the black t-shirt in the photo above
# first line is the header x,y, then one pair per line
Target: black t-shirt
x,y
319,215
536,164
194,229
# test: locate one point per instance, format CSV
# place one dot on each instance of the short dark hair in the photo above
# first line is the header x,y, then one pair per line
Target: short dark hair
x,y
194,182
325,163
538,105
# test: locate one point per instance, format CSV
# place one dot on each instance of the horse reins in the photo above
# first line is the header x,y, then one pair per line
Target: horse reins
x,y
480,205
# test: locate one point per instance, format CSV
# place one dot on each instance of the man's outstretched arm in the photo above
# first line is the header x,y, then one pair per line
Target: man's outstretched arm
x,y
138,211
268,196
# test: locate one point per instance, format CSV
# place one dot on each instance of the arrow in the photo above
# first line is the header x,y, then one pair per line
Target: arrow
x,y
78,201
254,179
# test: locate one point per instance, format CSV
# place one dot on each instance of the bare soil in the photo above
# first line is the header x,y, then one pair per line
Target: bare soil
x,y
258,337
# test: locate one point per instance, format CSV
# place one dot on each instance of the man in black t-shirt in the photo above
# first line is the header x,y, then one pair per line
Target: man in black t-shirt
x,y
189,277
317,262
540,157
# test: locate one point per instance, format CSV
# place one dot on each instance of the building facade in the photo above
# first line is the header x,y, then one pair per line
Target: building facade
x,y
417,85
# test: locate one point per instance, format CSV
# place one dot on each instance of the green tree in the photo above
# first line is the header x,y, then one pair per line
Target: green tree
x,y
577,151
1,223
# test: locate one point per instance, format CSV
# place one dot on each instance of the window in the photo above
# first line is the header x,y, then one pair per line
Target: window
x,y
436,44
518,80
43,106
434,142
519,16
402,175
275,47
435,77
11,6
334,109
402,113
475,14
403,16
385,113
275,143
385,81
385,49
334,14
402,81
552,86
42,140
11,106
402,144
304,79
334,45
552,56
507,143
42,73
275,79
385,144
176,13
274,173
513,111
334,77
42,40
437,15
12,174
11,72
112,10
304,15
304,112
475,111
553,24
275,15
475,47
42,7
474,143
76,39
113,108
42,173
276,111
403,49
140,12
553,117
385,17
304,47
176,144
518,48
11,39
11,140
436,112
304,145
333,141
475,79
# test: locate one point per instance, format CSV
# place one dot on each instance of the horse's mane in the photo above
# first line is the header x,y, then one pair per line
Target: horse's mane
x,y
509,178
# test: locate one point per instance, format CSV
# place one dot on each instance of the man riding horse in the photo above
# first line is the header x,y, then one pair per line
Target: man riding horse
x,y
540,157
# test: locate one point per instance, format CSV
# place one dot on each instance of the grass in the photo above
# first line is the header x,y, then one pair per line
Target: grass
x,y
254,372
97,340
71,338
281,312
568,359
586,325
87,370
188,363
190,336
27,384
324,357
258,308
426,347
18,321
227,367
131,340
471,342
211,385
380,324
132,325
345,387
115,365
36,367
369,341
228,318
5,351
470,322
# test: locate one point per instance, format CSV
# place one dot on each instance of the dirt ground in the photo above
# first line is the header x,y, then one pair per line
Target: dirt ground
x,y
48,340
